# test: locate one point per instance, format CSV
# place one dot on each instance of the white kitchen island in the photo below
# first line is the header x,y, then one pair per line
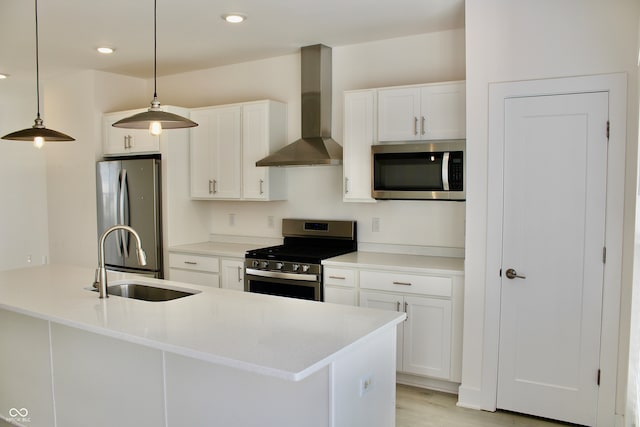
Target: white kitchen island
x,y
216,358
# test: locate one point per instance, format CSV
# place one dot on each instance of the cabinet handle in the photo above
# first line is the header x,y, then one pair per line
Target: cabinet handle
x,y
239,274
346,185
127,141
402,283
191,262
415,125
210,187
398,306
406,310
338,277
215,184
424,125
261,182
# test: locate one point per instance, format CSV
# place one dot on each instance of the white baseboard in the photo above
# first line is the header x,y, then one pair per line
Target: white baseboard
x,y
428,383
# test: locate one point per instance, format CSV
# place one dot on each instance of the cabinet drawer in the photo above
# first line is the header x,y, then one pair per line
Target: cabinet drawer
x,y
194,262
339,277
406,283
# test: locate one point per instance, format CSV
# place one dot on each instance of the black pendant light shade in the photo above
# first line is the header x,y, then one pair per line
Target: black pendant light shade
x,y
154,118
38,134
154,114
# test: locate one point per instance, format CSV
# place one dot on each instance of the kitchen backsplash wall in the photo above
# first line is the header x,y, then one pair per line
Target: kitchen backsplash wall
x,y
316,192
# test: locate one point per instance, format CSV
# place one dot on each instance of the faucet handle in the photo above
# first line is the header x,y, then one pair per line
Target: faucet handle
x,y
95,278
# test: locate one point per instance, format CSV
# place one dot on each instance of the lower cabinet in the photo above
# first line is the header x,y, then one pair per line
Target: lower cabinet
x,y
207,270
232,271
429,341
340,286
424,339
194,268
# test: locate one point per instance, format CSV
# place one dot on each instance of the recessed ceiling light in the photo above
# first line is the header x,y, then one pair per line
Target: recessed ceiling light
x,y
234,18
105,50
3,76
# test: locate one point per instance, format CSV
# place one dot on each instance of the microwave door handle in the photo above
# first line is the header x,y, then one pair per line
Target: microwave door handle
x,y
445,171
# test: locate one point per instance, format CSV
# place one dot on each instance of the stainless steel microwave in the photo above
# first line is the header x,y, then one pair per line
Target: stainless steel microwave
x,y
419,171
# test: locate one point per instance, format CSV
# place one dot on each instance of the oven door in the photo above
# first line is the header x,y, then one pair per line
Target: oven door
x,y
293,285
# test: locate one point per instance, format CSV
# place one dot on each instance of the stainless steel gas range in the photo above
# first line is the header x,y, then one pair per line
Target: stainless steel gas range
x,y
294,268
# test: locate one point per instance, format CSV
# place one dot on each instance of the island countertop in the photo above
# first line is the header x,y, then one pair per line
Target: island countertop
x,y
281,337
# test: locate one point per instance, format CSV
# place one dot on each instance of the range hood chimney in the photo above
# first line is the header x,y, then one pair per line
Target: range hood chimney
x,y
316,147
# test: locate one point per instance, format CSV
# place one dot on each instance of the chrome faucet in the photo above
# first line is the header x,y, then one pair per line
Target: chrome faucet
x,y
101,272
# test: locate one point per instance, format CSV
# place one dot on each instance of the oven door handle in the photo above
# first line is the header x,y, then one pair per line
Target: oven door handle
x,y
281,275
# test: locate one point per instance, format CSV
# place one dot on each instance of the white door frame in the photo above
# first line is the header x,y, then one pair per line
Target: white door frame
x,y
616,86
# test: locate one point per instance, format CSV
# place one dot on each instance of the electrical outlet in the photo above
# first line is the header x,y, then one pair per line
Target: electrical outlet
x,y
366,384
29,259
375,224
232,219
270,221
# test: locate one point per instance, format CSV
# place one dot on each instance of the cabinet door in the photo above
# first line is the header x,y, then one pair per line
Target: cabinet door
x,y
263,132
443,111
201,154
226,140
399,114
119,141
215,153
233,274
427,337
255,146
337,295
392,303
359,127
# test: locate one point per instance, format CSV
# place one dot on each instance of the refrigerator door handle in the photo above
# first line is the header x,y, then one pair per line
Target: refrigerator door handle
x,y
124,217
116,206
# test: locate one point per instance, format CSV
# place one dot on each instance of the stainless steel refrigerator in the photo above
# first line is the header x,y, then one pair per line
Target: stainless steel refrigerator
x,y
128,192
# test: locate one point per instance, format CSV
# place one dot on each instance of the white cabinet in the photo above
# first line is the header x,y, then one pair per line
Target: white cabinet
x,y
340,285
428,345
359,135
232,271
194,268
263,132
226,145
424,112
120,141
215,153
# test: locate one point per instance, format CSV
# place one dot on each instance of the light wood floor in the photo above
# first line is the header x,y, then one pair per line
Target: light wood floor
x,y
416,407
425,408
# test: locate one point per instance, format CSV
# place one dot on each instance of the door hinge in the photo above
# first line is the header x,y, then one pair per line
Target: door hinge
x,y
598,377
608,125
604,255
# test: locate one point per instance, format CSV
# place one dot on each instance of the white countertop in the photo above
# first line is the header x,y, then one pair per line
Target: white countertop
x,y
281,337
236,250
398,262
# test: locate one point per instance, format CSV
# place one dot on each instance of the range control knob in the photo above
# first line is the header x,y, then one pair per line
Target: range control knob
x,y
295,267
254,263
264,264
279,265
305,268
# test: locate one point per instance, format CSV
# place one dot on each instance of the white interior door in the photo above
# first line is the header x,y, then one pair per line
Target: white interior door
x,y
555,159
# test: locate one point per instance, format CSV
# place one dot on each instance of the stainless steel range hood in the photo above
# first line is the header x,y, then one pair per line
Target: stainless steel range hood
x,y
316,147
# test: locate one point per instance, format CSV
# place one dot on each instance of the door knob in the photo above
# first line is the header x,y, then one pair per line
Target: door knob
x,y
512,274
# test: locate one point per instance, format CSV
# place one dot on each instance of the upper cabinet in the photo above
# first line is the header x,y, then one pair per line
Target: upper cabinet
x,y
120,141
359,135
424,112
226,145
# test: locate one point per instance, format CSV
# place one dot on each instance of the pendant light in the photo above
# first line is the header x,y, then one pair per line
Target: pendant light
x,y
154,118
38,133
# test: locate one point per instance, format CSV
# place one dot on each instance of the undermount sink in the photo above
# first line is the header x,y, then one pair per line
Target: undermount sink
x,y
146,292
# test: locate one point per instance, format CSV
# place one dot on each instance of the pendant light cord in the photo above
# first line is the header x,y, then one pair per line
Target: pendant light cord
x,y
155,48
37,64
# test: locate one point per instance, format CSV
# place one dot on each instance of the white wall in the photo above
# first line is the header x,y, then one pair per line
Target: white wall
x,y
316,192
75,103
23,186
537,39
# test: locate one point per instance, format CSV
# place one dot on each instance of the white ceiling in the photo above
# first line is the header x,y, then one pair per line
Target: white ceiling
x,y
192,35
